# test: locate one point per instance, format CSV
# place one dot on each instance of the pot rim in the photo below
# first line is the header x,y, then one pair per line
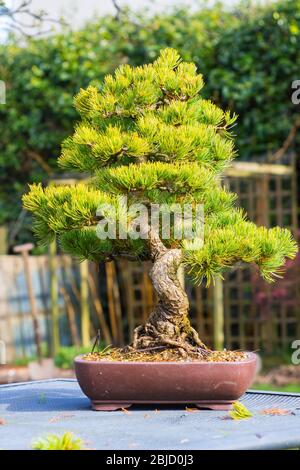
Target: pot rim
x,y
252,357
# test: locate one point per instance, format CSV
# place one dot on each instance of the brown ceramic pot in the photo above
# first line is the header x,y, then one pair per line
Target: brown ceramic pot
x,y
114,385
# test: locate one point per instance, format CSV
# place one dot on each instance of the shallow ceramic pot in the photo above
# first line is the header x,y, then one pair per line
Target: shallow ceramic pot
x,y
214,385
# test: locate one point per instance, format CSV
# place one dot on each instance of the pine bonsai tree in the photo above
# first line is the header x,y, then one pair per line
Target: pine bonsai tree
x,y
146,133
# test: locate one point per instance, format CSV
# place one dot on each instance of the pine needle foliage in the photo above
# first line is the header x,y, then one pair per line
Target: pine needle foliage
x,y
66,441
240,411
147,134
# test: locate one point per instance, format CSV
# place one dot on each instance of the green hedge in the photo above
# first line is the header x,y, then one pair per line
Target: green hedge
x,y
248,61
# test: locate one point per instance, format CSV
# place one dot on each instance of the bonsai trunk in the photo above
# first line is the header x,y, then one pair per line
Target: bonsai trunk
x,y
168,324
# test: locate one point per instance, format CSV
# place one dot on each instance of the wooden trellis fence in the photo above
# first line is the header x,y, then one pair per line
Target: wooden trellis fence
x,y
15,311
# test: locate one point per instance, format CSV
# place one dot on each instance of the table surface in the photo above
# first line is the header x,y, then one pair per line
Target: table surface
x,y
34,409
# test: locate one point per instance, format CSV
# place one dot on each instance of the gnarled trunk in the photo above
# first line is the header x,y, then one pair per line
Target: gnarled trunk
x,y
168,324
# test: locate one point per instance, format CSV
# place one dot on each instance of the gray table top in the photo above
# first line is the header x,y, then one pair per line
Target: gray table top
x,y
35,409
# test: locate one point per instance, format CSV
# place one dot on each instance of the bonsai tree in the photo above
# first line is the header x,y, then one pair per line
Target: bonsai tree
x,y
147,134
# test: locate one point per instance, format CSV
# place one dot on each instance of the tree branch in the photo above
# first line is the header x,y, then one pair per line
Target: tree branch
x,y
287,143
24,9
39,159
118,9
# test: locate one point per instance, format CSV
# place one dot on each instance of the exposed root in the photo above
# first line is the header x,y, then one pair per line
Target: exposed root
x,y
136,333
196,338
147,337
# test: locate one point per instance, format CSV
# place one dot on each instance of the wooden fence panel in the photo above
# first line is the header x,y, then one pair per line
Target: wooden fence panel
x,y
15,319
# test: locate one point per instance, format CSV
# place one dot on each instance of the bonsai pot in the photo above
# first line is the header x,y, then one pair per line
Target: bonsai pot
x,y
214,385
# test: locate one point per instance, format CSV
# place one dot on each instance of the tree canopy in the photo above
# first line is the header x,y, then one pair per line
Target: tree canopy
x,y
147,133
249,58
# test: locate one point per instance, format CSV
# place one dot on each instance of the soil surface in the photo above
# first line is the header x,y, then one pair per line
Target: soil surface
x,y
162,355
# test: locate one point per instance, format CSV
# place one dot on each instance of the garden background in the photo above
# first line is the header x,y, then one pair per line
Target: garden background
x,y
249,56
